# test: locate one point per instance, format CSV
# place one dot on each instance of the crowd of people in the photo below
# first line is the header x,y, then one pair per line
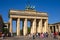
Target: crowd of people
x,y
45,35
41,35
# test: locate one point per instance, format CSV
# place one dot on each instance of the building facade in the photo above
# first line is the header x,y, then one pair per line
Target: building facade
x,y
39,21
54,27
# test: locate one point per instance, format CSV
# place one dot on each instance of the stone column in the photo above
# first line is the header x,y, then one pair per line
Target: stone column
x,y
39,29
46,26
18,27
34,26
52,28
25,27
49,29
59,27
31,28
10,29
56,28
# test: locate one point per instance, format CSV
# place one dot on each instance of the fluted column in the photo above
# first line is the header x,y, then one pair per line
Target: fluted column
x,y
34,26
46,26
56,28
31,28
10,30
25,27
18,27
39,29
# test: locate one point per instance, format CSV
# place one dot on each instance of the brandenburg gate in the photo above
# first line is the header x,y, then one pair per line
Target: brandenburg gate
x,y
39,21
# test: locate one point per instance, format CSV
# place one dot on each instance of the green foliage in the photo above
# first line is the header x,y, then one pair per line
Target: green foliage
x,y
28,30
14,34
5,30
21,32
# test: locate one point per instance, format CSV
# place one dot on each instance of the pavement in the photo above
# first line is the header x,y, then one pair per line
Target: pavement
x,y
28,38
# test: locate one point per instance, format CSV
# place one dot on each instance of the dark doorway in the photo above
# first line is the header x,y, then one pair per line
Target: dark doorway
x,y
54,28
51,28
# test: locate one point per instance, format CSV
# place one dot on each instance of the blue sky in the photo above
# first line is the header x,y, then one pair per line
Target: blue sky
x,y
52,7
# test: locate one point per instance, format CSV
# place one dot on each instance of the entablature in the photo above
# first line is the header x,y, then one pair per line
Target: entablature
x,y
27,13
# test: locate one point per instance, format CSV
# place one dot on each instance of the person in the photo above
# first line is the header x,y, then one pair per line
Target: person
x,y
46,34
52,34
3,36
41,35
9,34
37,35
55,35
33,36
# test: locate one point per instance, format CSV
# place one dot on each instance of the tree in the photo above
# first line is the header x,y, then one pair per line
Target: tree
x,y
21,31
5,31
28,30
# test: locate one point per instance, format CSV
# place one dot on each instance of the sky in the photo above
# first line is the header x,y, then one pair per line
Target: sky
x,y
52,7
